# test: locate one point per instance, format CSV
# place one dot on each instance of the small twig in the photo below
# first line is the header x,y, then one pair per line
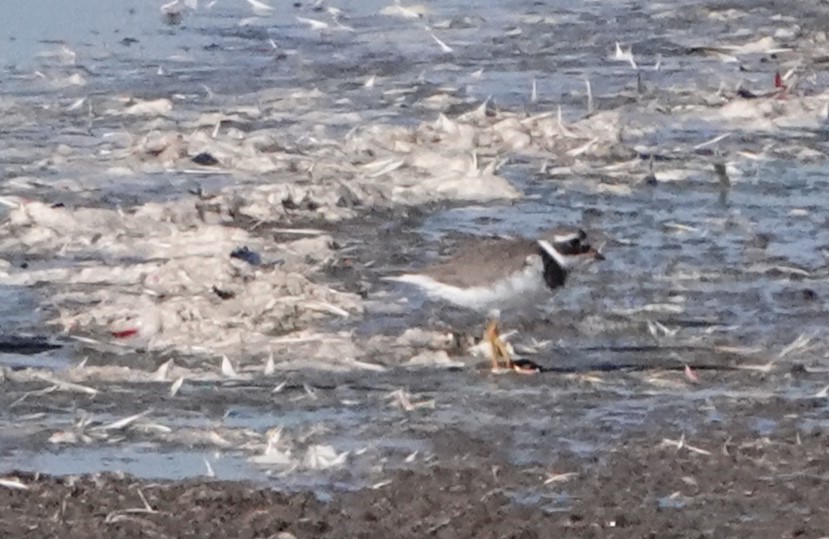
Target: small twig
x,y
680,444
442,524
559,477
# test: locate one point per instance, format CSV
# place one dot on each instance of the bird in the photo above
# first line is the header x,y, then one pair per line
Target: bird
x,y
492,275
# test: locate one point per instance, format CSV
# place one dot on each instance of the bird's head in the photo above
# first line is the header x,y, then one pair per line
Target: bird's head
x,y
570,248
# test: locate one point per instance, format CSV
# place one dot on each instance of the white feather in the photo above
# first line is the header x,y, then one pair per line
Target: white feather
x,y
560,238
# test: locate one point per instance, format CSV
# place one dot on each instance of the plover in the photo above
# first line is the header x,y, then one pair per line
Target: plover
x,y
495,275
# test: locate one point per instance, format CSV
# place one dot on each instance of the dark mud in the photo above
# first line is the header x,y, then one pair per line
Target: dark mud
x,y
629,452
723,482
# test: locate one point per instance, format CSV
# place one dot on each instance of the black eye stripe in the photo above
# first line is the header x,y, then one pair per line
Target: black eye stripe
x,y
574,246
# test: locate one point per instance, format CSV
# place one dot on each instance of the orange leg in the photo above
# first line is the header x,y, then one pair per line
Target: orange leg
x,y
499,348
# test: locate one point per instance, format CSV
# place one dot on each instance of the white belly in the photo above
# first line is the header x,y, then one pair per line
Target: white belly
x,y
520,290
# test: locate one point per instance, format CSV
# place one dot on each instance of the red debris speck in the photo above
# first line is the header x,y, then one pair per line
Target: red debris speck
x,y
778,81
125,333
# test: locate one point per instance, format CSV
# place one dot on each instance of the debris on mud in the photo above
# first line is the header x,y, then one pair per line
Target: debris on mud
x,y
741,485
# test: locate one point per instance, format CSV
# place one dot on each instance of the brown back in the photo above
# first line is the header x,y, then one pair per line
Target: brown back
x,y
483,262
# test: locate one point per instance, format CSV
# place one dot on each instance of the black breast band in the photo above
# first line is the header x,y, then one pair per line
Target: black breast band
x,y
554,274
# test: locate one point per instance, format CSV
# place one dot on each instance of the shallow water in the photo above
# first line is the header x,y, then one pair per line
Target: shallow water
x,y
741,266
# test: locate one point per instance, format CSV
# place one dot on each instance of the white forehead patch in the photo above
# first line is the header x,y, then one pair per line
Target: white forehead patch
x,y
561,238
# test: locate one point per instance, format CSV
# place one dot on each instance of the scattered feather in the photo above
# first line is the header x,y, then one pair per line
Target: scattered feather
x,y
163,370
625,55
691,375
227,368
322,457
176,386
270,366
13,483
260,9
443,46
314,24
